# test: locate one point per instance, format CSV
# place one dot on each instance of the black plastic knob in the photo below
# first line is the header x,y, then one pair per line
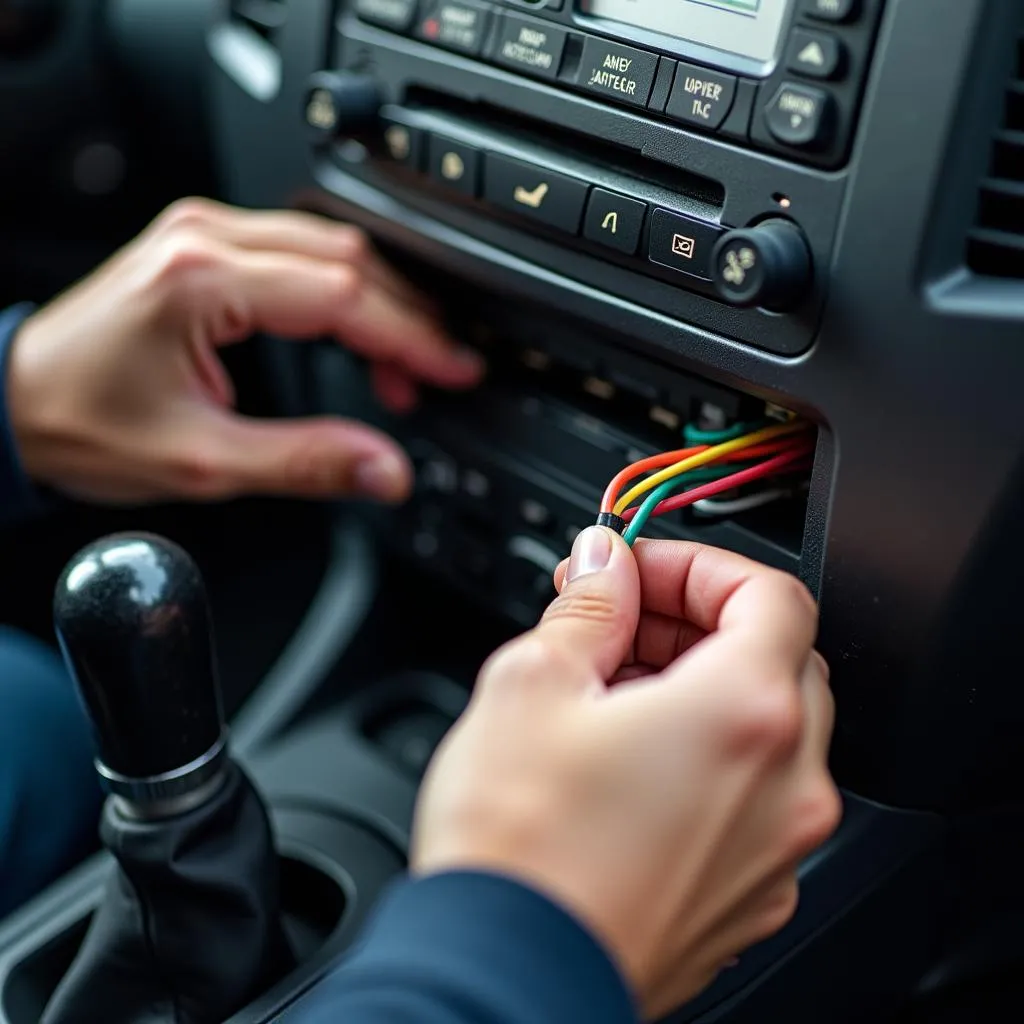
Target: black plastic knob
x,y
133,622
768,265
341,103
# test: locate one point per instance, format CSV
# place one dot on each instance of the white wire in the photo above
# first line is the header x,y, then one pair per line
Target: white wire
x,y
711,507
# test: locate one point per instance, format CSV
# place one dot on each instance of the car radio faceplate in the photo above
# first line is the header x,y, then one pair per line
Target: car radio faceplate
x,y
784,76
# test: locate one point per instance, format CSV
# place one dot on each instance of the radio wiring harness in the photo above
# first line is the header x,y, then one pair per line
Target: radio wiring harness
x,y
719,473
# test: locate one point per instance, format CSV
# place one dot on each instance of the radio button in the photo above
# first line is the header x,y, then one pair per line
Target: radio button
x,y
535,192
614,221
683,243
832,10
617,72
701,96
531,46
815,54
799,115
396,15
456,26
403,144
455,165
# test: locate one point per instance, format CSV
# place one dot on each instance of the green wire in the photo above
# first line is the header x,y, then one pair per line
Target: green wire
x,y
694,435
669,487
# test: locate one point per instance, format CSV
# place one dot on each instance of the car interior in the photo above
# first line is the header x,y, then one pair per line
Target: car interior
x,y
658,221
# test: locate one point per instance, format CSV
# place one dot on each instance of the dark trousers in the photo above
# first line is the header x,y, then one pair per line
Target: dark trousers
x,y
49,798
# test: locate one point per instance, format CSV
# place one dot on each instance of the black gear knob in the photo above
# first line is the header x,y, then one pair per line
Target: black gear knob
x,y
133,622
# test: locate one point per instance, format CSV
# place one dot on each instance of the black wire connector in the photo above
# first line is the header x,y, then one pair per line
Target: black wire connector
x,y
613,522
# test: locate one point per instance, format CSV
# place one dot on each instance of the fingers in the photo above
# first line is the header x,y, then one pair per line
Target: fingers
x,y
591,624
238,291
227,455
394,388
290,231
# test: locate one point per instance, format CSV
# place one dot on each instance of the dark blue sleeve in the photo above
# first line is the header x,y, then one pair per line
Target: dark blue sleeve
x,y
470,948
17,495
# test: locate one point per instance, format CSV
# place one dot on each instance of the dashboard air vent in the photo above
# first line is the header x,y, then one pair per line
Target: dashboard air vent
x,y
996,243
265,17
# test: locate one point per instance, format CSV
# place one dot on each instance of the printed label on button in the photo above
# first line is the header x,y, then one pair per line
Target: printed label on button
x,y
619,72
700,96
453,167
611,223
457,26
531,197
399,142
683,245
531,46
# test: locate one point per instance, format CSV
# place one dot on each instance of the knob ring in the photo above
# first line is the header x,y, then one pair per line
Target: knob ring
x,y
168,787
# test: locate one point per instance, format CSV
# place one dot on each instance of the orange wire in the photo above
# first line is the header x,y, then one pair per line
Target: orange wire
x,y
663,459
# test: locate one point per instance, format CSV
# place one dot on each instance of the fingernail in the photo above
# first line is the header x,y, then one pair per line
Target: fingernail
x,y
380,476
591,552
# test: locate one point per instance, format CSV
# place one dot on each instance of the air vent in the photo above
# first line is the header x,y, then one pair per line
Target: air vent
x,y
265,17
995,246
246,46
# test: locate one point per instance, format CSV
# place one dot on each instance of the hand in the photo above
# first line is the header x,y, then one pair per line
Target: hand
x,y
652,756
116,393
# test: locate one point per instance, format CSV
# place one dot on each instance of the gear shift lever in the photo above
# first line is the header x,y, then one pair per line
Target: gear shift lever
x,y
189,930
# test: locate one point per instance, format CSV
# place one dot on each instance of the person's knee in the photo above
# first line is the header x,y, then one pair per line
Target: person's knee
x,y
49,799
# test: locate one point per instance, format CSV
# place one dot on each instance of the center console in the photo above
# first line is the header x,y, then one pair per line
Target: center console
x,y
658,221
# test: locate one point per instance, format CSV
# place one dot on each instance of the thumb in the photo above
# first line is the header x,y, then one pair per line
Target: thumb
x,y
308,458
594,618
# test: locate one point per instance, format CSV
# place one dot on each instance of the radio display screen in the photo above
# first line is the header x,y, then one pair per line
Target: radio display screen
x,y
747,28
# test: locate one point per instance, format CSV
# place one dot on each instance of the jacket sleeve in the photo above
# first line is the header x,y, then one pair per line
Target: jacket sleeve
x,y
467,948
18,498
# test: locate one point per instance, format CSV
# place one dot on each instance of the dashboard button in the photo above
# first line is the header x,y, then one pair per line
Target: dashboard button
x,y
614,221
394,14
404,144
616,72
456,26
815,54
701,96
800,115
832,10
683,243
531,46
455,165
535,192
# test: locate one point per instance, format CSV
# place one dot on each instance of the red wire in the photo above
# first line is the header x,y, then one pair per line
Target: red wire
x,y
664,459
781,463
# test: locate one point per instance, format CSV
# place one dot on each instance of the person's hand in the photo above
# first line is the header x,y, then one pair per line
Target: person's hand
x,y
116,393
652,757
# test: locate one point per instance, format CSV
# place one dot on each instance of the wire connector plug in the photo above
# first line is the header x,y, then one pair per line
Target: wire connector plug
x,y
613,522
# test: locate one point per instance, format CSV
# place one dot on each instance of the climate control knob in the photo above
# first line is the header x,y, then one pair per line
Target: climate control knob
x,y
340,103
768,265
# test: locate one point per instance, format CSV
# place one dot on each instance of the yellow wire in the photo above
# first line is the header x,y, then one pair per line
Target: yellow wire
x,y
703,458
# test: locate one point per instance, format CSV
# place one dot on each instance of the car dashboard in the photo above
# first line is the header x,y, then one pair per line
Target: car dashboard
x,y
657,221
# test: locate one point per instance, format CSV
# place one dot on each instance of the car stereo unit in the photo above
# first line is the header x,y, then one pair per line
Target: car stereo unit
x,y
780,75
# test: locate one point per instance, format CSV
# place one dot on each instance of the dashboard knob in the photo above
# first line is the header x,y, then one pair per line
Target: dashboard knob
x,y
340,103
768,265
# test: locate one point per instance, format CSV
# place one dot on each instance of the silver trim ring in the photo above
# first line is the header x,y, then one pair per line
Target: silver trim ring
x,y
178,782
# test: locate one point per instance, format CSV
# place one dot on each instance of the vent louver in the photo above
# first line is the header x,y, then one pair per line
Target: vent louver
x,y
995,246
265,17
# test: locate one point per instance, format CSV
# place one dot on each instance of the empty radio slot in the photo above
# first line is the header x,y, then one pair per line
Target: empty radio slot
x,y
584,149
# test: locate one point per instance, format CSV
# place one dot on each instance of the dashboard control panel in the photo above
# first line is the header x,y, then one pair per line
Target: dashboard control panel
x,y
780,75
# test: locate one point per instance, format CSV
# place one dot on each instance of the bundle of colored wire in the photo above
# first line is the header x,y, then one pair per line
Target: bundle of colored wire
x,y
680,462
712,467
659,502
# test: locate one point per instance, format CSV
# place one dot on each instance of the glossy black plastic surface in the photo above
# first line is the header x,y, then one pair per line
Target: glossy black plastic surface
x,y
132,619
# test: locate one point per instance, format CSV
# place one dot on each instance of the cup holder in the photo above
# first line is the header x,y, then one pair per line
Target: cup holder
x,y
313,906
